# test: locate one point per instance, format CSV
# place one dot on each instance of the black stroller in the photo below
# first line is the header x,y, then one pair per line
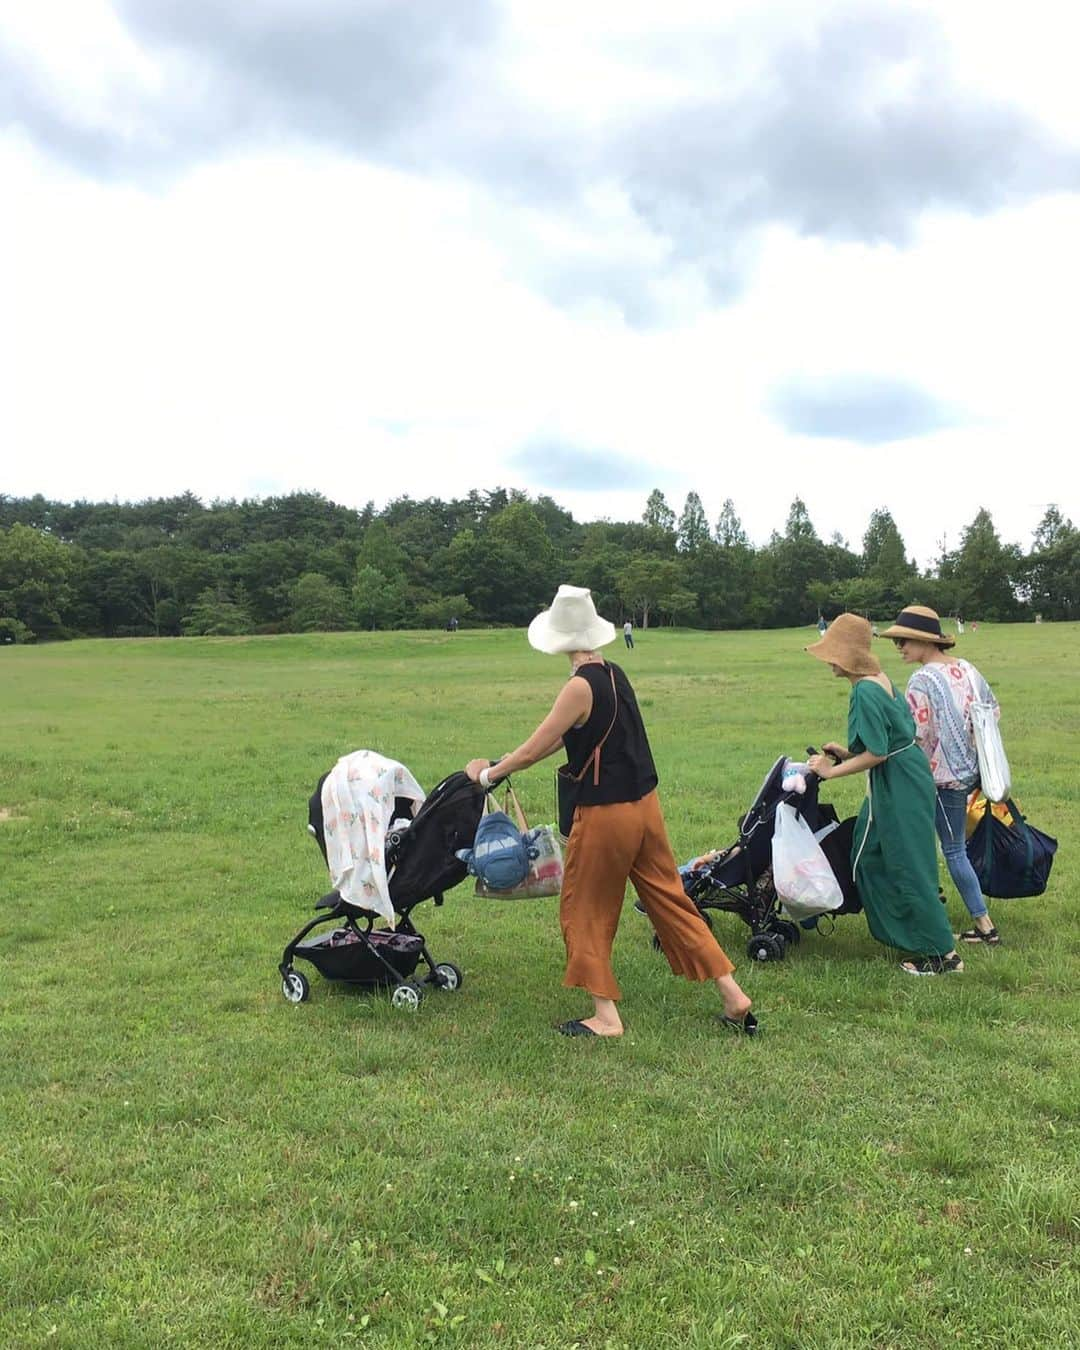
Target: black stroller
x,y
739,879
421,865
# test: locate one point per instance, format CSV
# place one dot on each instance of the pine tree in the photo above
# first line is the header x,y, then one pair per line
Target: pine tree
x,y
729,528
658,515
693,525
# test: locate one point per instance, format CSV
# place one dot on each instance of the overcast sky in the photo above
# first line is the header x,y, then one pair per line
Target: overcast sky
x,y
377,247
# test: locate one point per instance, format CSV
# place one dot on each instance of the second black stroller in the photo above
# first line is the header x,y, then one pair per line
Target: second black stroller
x,y
420,865
739,878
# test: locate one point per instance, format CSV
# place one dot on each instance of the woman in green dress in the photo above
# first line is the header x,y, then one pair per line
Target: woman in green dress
x,y
893,853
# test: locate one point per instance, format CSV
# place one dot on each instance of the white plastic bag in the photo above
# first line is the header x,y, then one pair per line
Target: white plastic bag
x,y
993,765
802,876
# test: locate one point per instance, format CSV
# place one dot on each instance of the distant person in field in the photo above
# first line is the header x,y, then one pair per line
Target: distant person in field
x,y
893,858
628,634
618,832
821,625
940,694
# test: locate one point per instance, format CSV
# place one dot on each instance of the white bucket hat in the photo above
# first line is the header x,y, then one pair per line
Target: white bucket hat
x,y
571,624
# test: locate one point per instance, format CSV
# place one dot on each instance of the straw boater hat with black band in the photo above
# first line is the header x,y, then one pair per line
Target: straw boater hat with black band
x,y
847,644
571,624
922,625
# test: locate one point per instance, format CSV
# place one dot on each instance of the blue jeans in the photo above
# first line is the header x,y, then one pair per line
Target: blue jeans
x,y
950,817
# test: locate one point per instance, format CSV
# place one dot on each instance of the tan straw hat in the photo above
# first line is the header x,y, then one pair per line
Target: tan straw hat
x,y
847,644
921,624
571,624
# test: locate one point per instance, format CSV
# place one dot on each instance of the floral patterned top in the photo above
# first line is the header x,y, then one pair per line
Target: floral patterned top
x,y
940,695
358,801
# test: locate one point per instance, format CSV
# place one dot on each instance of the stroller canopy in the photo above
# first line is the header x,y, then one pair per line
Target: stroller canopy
x,y
359,799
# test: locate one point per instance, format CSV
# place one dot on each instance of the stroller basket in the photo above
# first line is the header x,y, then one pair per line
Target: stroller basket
x,y
346,954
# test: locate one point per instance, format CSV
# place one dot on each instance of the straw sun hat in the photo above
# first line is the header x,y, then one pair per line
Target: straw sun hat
x,y
571,624
847,644
923,625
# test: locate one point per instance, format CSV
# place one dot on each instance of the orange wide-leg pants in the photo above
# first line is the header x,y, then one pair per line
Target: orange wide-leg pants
x,y
608,846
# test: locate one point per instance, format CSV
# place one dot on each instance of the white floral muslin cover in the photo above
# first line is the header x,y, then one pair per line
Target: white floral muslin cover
x,y
358,806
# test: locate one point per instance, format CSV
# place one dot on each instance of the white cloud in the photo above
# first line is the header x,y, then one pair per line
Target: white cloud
x,y
303,317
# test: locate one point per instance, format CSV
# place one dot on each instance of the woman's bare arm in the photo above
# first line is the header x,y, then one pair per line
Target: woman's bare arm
x,y
572,707
825,768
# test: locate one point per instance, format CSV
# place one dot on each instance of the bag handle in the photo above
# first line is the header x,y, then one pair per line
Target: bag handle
x,y
594,758
511,796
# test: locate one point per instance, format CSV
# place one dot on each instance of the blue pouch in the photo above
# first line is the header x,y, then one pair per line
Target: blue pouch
x,y
499,855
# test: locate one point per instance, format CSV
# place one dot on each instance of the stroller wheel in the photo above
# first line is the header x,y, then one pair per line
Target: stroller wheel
x,y
790,932
407,996
448,977
765,947
295,987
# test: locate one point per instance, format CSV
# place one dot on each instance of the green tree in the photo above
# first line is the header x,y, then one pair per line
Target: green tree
x,y
438,613
1051,574
379,549
886,564
14,630
318,605
985,572
1051,529
521,573
785,568
37,575
693,525
720,579
377,601
599,565
658,515
649,583
217,613
822,595
729,528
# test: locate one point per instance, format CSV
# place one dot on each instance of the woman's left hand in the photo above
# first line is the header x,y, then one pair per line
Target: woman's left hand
x,y
474,767
822,765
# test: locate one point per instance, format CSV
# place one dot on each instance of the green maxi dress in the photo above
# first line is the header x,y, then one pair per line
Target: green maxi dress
x,y
894,851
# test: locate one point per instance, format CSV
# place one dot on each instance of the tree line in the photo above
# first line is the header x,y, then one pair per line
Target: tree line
x,y
297,563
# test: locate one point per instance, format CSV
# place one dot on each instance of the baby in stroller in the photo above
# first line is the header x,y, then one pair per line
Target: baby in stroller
x,y
739,878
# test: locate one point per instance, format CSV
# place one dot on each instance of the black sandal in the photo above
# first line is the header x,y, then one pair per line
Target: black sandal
x,y
745,1025
933,965
574,1028
992,938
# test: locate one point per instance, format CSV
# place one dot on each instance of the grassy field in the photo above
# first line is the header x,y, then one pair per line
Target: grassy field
x,y
188,1160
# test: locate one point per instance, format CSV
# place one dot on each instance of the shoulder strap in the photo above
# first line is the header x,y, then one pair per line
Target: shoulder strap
x,y
594,758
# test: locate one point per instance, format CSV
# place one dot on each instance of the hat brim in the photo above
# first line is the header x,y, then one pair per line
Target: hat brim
x,y
553,641
896,631
835,654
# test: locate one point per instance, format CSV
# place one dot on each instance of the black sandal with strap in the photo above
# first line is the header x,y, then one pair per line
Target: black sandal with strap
x,y
747,1025
933,965
991,938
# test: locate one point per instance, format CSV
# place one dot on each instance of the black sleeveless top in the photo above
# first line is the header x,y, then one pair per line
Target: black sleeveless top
x,y
627,771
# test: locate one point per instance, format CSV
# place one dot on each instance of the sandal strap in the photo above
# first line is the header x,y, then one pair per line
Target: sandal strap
x,y
934,965
977,935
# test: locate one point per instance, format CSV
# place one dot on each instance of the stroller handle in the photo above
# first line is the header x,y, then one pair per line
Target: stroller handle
x,y
811,751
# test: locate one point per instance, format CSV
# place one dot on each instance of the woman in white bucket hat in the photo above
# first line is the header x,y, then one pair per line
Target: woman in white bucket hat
x,y
618,832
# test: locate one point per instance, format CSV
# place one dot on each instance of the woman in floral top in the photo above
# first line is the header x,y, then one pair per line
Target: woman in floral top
x,y
940,694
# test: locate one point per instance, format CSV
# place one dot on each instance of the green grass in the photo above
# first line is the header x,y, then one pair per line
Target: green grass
x,y
187,1160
